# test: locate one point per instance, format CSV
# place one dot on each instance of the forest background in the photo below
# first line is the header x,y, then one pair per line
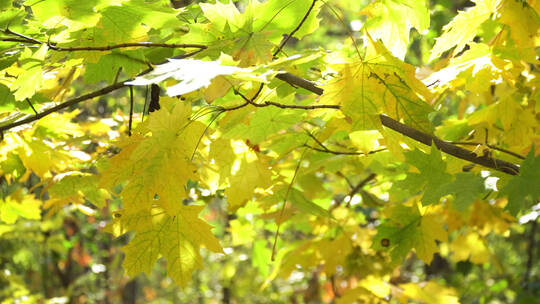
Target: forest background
x,y
284,151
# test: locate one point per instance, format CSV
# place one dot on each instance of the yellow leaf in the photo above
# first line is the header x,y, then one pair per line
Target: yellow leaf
x,y
365,141
176,238
156,163
463,28
428,293
250,171
470,245
11,208
376,285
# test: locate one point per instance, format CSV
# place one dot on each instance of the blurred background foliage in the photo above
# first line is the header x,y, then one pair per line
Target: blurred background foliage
x,y
66,257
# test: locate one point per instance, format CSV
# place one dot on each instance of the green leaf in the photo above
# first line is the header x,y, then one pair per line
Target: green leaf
x,y
466,188
177,237
524,186
269,120
407,228
31,79
299,201
76,187
131,62
261,257
432,177
278,17
383,84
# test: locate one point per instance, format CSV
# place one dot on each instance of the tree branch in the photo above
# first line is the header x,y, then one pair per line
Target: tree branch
x,y
427,139
64,105
355,190
88,96
342,152
52,45
465,143
530,253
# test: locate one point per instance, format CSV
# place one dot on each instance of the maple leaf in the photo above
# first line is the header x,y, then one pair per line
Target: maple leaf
x,y
470,246
463,28
524,24
30,74
76,187
466,188
383,84
160,162
391,21
525,185
432,177
250,36
405,229
252,174
193,74
429,293
177,238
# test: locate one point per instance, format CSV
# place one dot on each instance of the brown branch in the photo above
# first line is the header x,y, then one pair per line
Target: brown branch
x,y
64,105
427,139
79,99
530,253
449,148
53,45
355,190
326,150
317,140
125,45
466,143
130,110
300,82
280,47
11,39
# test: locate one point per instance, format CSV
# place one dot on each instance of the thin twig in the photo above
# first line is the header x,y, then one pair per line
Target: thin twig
x,y
355,190
130,109
326,150
64,105
317,141
82,98
53,45
261,86
291,34
285,203
465,143
530,253
31,105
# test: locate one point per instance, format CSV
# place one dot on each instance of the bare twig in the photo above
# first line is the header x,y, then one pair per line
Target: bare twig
x,y
317,140
261,86
465,143
291,34
31,105
130,109
530,253
326,150
355,190
53,45
64,105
